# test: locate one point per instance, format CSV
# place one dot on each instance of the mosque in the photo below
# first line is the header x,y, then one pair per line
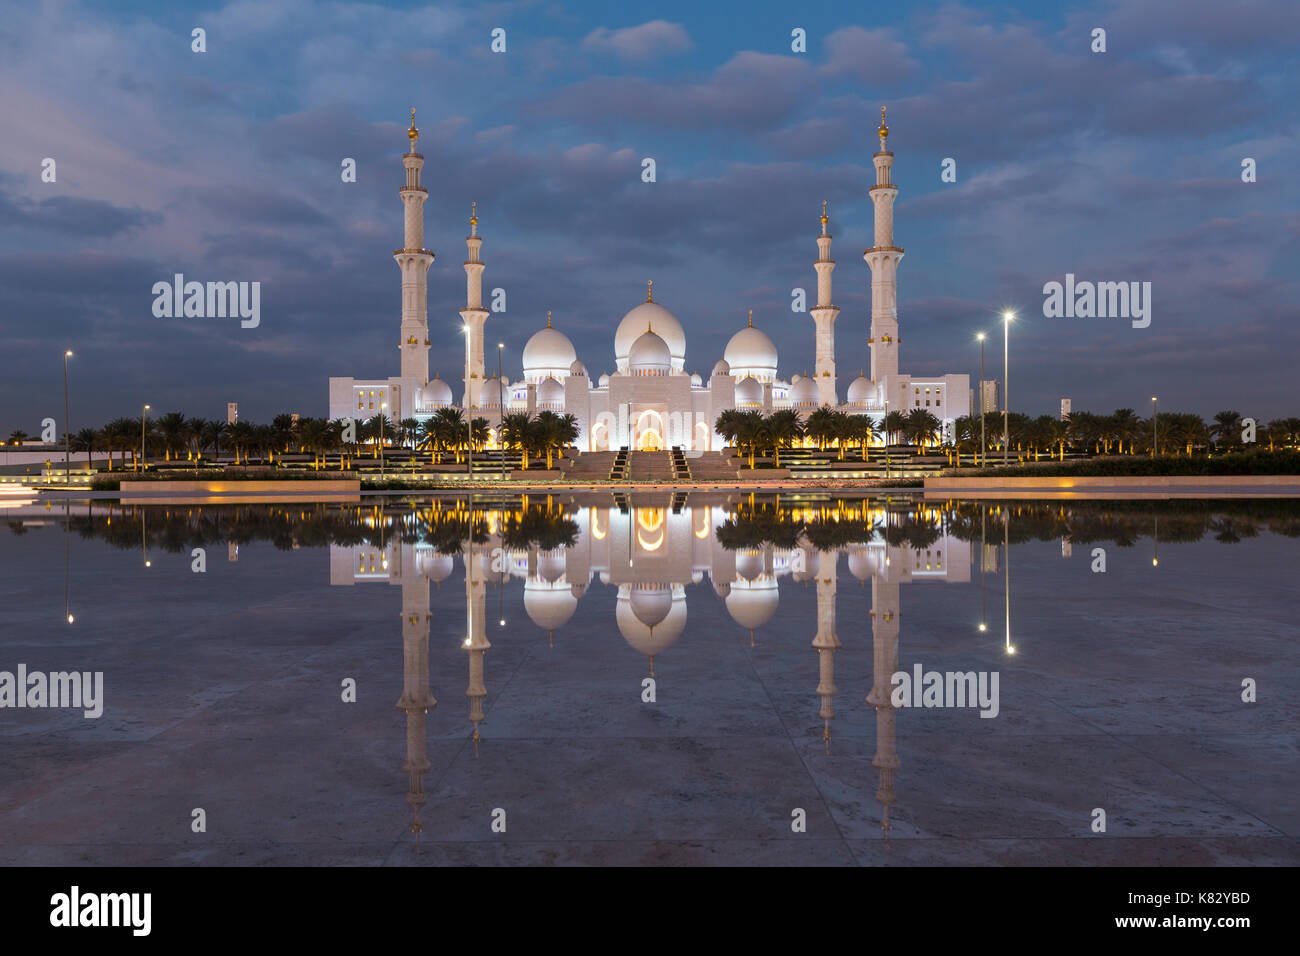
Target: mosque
x,y
649,401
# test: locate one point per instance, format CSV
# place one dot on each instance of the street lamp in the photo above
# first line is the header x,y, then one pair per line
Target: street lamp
x,y
501,412
1155,434
983,446
139,463
1006,327
67,455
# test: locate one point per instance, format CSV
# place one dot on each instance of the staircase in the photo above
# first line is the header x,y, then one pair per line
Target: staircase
x,y
714,466
589,466
618,471
681,471
650,466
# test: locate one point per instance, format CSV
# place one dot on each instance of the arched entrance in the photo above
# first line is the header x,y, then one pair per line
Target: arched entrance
x,y
650,441
648,433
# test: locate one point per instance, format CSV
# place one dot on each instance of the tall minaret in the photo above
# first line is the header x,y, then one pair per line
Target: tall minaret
x,y
824,315
826,641
414,261
883,258
474,314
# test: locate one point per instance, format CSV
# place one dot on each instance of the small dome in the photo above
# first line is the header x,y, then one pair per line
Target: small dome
x,y
437,393
804,391
749,392
603,381
577,368
860,565
696,381
650,355
811,563
654,316
859,391
434,566
752,605
548,352
722,368
651,616
549,606
751,352
550,566
550,392
490,396
749,565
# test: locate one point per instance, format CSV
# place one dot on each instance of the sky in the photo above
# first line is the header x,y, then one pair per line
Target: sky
x,y
1122,165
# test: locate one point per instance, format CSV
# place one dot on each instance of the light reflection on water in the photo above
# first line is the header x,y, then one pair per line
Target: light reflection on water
x,y
788,576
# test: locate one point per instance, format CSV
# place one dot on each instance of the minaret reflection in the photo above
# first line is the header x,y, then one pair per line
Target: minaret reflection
x,y
475,643
826,641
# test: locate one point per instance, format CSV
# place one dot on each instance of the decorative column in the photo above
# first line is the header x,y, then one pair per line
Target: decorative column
x,y
883,259
824,315
414,261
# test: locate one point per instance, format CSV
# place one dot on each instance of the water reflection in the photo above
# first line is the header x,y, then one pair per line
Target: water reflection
x,y
656,554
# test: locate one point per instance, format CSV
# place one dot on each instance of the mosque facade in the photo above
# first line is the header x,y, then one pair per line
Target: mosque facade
x,y
649,400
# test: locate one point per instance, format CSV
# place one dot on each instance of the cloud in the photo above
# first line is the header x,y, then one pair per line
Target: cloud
x,y
652,40
869,56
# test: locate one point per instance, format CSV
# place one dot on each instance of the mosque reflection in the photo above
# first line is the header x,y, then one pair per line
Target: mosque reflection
x,y
652,551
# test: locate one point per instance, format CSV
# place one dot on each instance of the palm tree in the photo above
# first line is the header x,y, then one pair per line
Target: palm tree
x,y
550,433
120,433
783,430
921,427
282,430
1226,428
171,429
447,430
84,440
569,431
210,435
862,429
242,436
821,427
895,423
408,428
727,424
516,432
478,428
1125,426
17,436
751,432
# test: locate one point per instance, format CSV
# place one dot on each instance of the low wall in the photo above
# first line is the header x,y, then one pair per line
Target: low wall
x,y
252,487
536,474
763,473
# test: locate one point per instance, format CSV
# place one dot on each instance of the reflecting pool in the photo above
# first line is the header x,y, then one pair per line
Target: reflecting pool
x,y
654,679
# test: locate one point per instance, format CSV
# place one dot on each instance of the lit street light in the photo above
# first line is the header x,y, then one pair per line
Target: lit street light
x,y
1006,331
1155,434
501,412
139,464
983,446
68,467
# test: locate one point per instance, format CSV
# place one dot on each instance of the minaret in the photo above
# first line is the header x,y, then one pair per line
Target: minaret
x,y
883,259
884,641
826,641
476,643
824,314
417,699
414,261
474,315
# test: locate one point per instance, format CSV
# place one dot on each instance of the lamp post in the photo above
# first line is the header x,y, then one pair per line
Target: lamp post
x,y
1006,331
981,400
1006,573
501,412
140,463
1155,432
67,454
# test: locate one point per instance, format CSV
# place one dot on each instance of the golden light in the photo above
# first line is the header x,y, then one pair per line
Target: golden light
x,y
71,619
980,336
1154,562
1010,649
983,627
68,353
1008,316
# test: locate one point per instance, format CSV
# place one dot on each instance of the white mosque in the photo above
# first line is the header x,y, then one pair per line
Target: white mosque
x,y
649,401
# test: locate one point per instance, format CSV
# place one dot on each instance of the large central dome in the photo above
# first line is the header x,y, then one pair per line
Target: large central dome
x,y
653,317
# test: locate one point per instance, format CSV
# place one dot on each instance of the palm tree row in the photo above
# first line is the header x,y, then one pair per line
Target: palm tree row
x,y
547,434
753,433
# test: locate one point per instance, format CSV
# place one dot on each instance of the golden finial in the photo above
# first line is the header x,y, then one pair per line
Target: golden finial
x,y
649,291
548,318
884,130
473,213
751,318
649,327
824,219
413,134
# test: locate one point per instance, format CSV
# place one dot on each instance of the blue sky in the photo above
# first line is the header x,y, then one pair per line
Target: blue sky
x,y
1123,165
